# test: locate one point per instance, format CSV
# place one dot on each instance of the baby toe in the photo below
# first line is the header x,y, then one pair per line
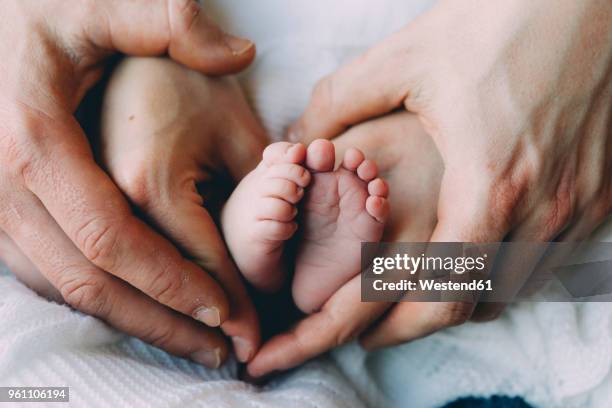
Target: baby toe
x,y
283,189
367,170
284,152
292,172
378,187
321,156
352,159
275,209
378,208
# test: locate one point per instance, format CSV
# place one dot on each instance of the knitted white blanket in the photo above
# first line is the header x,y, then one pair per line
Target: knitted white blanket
x,y
553,354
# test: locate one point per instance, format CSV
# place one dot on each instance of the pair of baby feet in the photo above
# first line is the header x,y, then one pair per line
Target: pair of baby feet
x,y
338,209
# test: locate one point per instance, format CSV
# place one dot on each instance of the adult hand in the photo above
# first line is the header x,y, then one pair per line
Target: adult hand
x,y
170,139
516,96
59,207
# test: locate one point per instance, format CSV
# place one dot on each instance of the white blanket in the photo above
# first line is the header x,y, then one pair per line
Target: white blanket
x,y
553,354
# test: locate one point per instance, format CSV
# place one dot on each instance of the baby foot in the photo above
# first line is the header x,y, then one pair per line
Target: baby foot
x,y
258,217
408,160
341,209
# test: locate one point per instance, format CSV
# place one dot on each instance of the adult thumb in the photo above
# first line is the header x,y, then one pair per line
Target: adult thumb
x,y
179,28
377,83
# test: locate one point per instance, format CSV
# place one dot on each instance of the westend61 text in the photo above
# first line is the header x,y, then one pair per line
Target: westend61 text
x,y
432,285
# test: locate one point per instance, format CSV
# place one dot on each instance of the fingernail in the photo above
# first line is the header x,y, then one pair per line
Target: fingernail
x,y
242,348
209,358
208,315
239,46
300,191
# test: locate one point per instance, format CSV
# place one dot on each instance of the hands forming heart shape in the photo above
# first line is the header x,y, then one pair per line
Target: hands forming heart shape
x,y
508,139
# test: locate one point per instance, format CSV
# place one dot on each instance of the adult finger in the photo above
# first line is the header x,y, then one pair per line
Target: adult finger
x,y
374,84
154,27
93,213
342,318
462,217
93,291
189,225
23,268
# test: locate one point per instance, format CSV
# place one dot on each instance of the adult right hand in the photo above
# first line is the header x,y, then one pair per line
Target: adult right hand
x,y
59,207
516,96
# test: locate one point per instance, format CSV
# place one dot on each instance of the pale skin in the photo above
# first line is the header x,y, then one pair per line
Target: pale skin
x,y
161,125
140,129
339,208
560,82
67,215
408,160
516,97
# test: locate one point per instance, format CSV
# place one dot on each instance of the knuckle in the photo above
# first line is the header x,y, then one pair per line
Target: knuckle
x,y
98,239
21,144
166,287
162,337
86,293
559,214
564,202
15,159
505,196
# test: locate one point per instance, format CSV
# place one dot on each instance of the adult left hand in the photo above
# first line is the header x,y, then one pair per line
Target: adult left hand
x,y
165,130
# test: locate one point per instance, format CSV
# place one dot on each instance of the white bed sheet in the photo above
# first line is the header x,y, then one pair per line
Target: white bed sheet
x,y
555,355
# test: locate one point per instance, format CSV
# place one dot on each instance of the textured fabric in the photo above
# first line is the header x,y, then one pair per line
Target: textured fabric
x,y
555,355
46,344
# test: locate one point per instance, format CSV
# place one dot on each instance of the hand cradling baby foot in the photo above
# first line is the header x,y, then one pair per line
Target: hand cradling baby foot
x,y
339,209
